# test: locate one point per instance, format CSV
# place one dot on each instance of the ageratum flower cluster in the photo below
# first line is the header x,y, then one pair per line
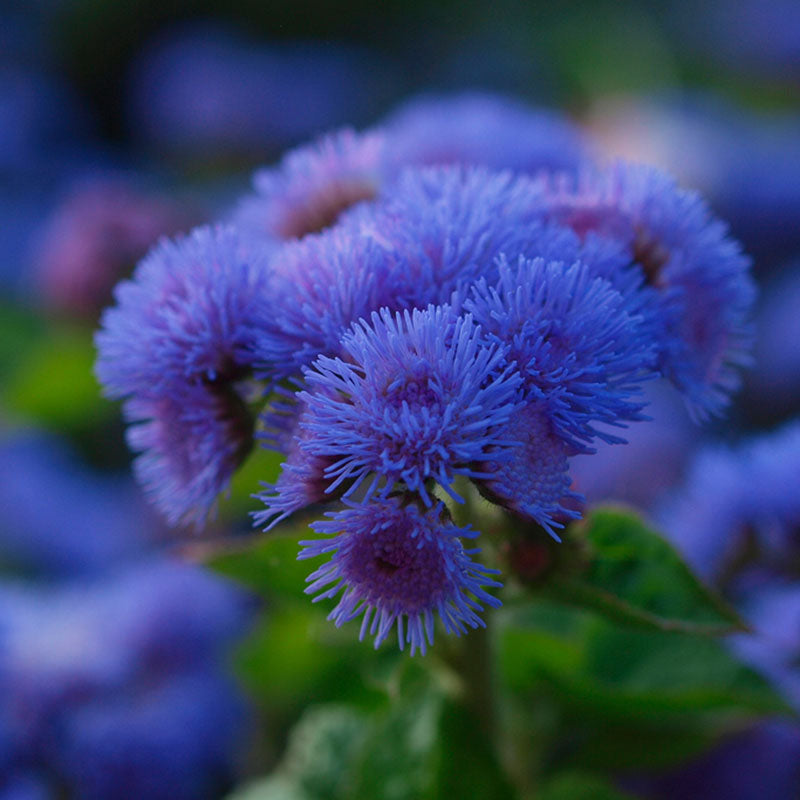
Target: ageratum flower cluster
x,y
415,311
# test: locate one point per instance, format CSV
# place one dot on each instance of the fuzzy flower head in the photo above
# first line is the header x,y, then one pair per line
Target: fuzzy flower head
x,y
579,352
321,285
313,185
418,399
303,480
700,275
399,565
532,479
443,227
189,313
191,439
482,129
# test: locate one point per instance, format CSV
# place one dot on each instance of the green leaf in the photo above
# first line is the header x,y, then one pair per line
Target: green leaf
x,y
420,743
631,574
580,786
602,671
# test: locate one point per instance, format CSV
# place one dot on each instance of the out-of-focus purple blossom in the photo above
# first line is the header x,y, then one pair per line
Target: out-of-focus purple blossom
x,y
482,129
773,610
93,239
91,672
205,90
399,565
773,384
747,164
760,764
191,439
739,501
177,741
89,523
761,36
651,462
40,120
313,185
701,277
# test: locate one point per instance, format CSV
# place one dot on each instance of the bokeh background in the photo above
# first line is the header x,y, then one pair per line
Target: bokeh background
x,y
130,668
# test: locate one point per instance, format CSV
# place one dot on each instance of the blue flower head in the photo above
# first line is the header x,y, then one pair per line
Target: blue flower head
x,y
322,284
578,350
189,313
313,185
532,480
191,438
418,398
177,345
444,226
482,129
399,565
700,275
303,480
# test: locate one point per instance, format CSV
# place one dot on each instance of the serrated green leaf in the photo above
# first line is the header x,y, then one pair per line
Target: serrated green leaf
x,y
631,574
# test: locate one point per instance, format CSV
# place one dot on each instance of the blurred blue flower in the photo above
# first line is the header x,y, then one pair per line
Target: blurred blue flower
x,y
98,231
701,277
398,565
737,501
651,463
773,384
203,91
746,162
482,129
119,682
91,522
313,185
761,763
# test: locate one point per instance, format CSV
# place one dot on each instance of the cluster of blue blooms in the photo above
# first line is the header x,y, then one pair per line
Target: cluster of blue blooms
x,y
422,306
113,673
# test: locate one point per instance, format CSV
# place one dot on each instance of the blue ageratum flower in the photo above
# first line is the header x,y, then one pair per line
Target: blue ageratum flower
x,y
482,129
303,480
418,398
191,438
700,275
178,346
313,185
189,312
399,565
532,478
581,355
321,285
126,667
443,227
